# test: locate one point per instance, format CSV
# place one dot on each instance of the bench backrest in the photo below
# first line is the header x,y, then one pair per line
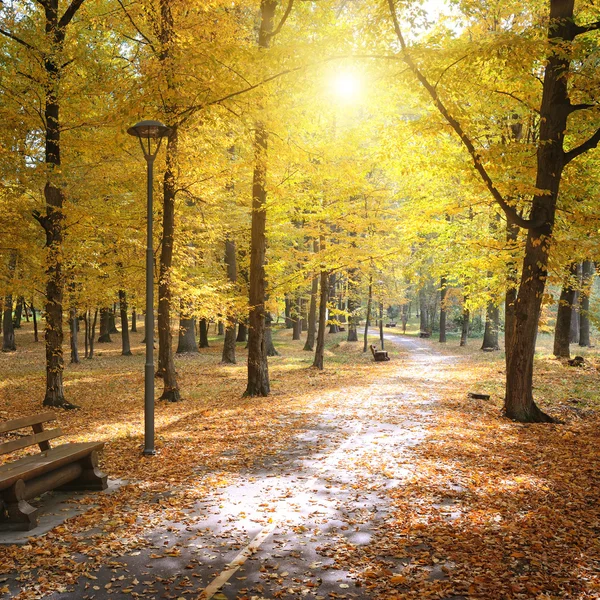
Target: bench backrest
x,y
40,435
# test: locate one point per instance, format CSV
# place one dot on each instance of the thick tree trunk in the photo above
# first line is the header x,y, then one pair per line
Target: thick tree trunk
x,y
562,330
584,307
443,292
320,349
258,367
312,310
73,328
134,321
492,324
203,338
18,312
368,316
8,330
125,344
464,334
104,336
187,334
242,334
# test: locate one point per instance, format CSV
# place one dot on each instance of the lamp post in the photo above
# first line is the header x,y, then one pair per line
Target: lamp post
x,y
150,134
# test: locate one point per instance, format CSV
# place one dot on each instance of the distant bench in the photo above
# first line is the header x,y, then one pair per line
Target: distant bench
x,y
65,467
390,324
424,334
379,355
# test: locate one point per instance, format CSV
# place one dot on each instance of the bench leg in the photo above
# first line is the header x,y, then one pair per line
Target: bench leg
x,y
20,515
91,477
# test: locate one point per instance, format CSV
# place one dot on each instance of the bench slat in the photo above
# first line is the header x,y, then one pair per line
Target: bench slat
x,y
26,421
30,440
32,466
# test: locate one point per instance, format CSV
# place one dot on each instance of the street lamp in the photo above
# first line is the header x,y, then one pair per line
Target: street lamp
x,y
150,134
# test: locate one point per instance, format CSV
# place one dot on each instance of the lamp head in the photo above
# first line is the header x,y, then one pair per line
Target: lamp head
x,y
150,130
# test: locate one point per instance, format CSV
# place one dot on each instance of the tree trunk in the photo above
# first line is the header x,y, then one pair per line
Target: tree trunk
x,y
73,328
125,345
92,332
134,321
8,331
368,317
492,323
203,337
562,330
512,235
289,322
104,326
574,335
381,338
258,367
584,307
443,292
320,349
18,313
187,334
242,334
297,328
35,324
423,315
112,325
86,333
465,324
228,356
312,310
271,350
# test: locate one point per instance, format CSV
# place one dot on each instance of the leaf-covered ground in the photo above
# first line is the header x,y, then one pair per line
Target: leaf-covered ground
x,y
445,497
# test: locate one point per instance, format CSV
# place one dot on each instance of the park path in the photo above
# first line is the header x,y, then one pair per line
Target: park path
x,y
278,531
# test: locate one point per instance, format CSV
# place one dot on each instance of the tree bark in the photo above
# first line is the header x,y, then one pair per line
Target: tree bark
x,y
320,349
203,338
584,308
271,350
562,330
289,322
73,328
574,335
312,310
104,336
134,321
228,356
368,317
443,292
125,344
296,319
35,324
18,313
423,311
492,324
186,341
465,324
8,330
512,235
92,333
242,334
112,325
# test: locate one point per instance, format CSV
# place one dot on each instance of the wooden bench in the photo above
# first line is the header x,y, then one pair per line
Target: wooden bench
x,y
424,334
65,467
379,355
390,324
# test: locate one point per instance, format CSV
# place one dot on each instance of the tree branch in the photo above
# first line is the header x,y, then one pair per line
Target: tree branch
x,y
587,145
70,13
511,213
130,18
18,40
510,95
579,29
286,14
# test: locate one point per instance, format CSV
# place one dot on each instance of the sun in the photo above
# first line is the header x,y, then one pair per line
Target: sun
x,y
346,86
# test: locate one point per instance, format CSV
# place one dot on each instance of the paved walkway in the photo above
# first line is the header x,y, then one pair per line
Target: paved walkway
x,y
276,531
